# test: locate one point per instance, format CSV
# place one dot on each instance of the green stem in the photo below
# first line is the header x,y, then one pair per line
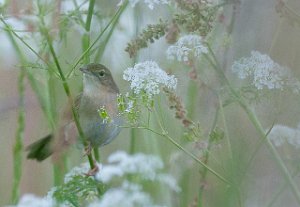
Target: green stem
x,y
9,29
77,7
194,157
254,153
133,132
90,15
52,98
281,190
18,148
274,152
133,136
96,154
33,83
67,91
58,172
206,157
119,12
41,99
253,118
86,37
103,45
225,128
192,99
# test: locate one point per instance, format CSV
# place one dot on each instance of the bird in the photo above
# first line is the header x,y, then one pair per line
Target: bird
x,y
99,91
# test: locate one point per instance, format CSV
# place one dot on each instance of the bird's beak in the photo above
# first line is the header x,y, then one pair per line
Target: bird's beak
x,y
84,70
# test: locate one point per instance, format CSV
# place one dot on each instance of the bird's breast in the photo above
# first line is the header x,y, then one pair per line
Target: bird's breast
x,y
98,131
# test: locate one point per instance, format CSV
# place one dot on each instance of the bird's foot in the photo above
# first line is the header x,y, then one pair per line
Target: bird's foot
x,y
88,150
93,171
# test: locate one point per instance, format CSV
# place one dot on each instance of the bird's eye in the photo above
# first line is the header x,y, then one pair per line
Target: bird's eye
x,y
102,73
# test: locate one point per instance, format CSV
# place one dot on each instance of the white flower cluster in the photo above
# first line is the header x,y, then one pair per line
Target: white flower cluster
x,y
145,166
188,46
281,134
265,73
81,170
147,77
150,3
128,195
29,200
129,108
121,164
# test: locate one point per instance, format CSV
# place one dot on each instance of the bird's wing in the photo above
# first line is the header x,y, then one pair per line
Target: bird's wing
x,y
77,102
67,133
67,112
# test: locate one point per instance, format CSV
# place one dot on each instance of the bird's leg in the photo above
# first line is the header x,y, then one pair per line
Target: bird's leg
x,y
93,171
88,149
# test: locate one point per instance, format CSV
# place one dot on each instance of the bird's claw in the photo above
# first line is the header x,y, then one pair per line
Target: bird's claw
x,y
87,150
93,171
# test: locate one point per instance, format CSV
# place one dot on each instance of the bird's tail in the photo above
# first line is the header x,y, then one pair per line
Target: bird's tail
x,y
40,149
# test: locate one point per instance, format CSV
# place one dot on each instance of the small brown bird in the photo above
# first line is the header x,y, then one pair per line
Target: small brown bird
x,y
99,90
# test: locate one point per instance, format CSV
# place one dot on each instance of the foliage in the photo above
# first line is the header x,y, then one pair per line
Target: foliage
x,y
194,122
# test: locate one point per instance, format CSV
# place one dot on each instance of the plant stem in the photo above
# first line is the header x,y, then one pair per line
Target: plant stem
x,y
96,154
119,12
253,118
274,152
194,157
225,129
33,82
192,99
41,98
85,45
67,91
133,136
8,28
86,37
81,22
133,132
103,45
206,157
18,148
281,190
90,15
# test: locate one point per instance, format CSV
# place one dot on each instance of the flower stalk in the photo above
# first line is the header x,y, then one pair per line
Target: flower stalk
x,y
256,123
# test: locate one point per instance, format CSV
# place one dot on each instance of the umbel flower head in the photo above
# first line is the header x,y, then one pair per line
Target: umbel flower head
x,y
188,46
265,73
147,77
30,200
281,134
129,194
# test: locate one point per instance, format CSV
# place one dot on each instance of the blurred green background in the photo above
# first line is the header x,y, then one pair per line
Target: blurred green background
x,y
252,24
